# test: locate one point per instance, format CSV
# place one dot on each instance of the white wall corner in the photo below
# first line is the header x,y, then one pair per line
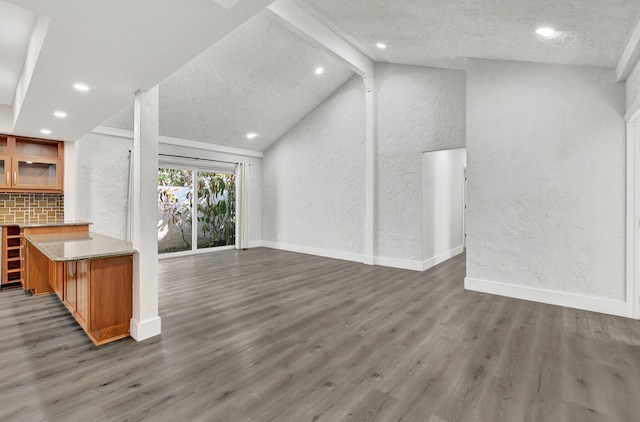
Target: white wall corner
x,y
326,253
432,262
630,55
403,264
256,244
550,297
146,329
70,178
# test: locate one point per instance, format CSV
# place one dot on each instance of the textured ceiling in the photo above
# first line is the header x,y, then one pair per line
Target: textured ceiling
x,y
15,31
260,78
444,32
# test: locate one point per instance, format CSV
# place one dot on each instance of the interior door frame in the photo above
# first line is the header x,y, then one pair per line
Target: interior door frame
x,y
633,215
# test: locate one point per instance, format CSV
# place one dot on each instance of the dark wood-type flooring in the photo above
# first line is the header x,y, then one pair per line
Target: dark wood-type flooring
x,y
264,335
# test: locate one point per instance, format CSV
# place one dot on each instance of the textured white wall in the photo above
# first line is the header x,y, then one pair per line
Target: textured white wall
x,y
101,182
419,109
254,180
546,177
313,188
442,204
633,86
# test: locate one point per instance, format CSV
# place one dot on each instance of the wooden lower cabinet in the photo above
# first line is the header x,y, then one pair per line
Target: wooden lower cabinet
x,y
98,293
42,276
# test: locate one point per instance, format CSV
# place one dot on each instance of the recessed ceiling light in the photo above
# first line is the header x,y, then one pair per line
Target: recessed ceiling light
x,y
381,46
320,71
81,87
545,32
252,135
60,114
45,131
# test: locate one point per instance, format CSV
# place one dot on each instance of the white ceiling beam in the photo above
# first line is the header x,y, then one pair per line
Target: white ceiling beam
x,y
630,55
302,23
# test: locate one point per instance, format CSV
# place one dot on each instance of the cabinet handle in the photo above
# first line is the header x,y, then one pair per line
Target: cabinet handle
x,y
15,177
7,178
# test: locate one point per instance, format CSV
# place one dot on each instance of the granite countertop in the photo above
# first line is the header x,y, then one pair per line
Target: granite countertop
x,y
83,245
56,223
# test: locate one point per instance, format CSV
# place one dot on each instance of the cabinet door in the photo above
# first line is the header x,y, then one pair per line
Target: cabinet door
x,y
42,173
69,291
5,171
82,292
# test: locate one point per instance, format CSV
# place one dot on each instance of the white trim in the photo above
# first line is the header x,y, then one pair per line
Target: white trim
x,y
630,55
327,253
113,131
146,329
551,297
209,147
169,255
255,244
634,112
432,262
296,19
404,264
631,230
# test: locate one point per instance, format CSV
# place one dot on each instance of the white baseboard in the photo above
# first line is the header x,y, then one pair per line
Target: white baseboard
x,y
327,253
255,244
438,259
145,329
551,297
404,264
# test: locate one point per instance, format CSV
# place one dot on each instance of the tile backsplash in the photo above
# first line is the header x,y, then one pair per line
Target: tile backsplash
x,y
31,207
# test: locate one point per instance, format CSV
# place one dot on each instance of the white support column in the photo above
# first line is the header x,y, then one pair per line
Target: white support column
x,y
370,170
70,177
145,322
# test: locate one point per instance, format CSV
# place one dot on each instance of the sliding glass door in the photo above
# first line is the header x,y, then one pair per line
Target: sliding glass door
x,y
206,196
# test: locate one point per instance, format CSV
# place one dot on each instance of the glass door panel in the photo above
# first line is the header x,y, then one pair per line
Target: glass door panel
x,y
5,172
216,209
175,197
35,174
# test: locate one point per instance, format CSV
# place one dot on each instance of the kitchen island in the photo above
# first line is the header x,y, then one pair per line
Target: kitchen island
x,y
12,248
92,276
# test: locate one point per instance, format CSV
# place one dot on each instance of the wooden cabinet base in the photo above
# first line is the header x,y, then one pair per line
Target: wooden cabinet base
x,y
98,293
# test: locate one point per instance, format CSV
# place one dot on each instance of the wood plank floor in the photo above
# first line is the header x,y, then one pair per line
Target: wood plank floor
x,y
264,335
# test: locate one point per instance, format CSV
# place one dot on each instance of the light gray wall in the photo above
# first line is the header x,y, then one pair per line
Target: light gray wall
x,y
313,188
101,182
633,86
546,177
419,109
442,204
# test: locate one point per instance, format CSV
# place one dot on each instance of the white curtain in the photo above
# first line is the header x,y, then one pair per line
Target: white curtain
x,y
242,207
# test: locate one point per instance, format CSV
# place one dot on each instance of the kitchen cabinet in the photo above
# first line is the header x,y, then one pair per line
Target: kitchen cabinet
x,y
40,276
12,256
31,165
93,276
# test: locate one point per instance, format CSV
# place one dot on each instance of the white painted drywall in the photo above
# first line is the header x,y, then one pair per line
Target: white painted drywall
x,y
546,180
313,187
442,204
254,175
419,109
101,182
633,87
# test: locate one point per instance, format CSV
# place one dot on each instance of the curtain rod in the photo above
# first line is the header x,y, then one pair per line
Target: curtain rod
x,y
198,159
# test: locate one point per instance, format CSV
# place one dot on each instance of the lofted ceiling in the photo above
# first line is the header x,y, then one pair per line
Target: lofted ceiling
x,y
260,78
444,32
116,47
